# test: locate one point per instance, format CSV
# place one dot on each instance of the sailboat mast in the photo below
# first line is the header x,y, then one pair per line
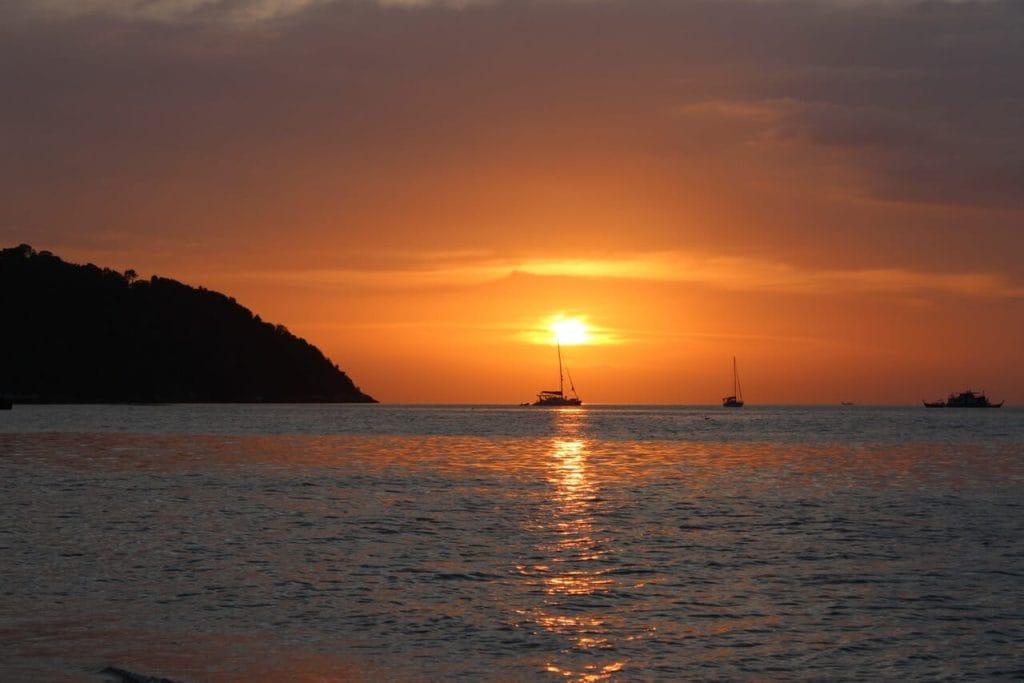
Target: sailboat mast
x,y
734,375
561,389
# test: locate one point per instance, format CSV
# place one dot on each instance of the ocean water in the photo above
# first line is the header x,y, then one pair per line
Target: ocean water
x,y
428,543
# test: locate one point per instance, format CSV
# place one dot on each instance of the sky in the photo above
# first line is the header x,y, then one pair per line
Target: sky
x,y
831,191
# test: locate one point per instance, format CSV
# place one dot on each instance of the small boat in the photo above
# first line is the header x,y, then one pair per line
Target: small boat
x,y
557,397
6,404
965,399
736,400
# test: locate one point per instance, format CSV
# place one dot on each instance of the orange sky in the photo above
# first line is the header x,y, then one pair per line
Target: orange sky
x,y
829,191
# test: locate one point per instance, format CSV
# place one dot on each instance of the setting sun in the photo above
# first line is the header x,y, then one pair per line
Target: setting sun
x,y
569,331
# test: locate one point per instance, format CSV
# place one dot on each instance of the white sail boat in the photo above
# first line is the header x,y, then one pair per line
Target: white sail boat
x,y
736,400
557,397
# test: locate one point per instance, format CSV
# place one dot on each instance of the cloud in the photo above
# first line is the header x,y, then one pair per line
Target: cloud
x,y
165,10
429,270
191,117
238,12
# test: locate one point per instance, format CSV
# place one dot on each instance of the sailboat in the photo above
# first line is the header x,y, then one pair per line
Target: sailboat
x,y
736,400
557,397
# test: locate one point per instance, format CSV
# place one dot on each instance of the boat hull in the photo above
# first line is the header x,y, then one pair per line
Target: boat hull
x,y
965,399
557,401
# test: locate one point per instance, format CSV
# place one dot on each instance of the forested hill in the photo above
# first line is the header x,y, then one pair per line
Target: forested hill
x,y
74,333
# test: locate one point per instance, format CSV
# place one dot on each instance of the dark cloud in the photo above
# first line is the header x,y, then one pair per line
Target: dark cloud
x,y
924,99
185,120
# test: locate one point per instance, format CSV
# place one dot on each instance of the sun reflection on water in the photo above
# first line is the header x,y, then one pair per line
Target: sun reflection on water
x,y
578,560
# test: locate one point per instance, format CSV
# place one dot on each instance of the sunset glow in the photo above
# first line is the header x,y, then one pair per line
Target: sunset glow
x,y
428,198
573,341
570,331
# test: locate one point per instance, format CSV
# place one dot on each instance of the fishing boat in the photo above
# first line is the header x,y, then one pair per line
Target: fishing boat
x,y
6,404
964,399
736,400
557,397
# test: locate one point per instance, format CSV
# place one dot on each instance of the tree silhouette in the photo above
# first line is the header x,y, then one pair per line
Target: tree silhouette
x,y
81,333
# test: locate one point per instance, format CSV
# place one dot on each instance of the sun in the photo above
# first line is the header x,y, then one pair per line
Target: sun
x,y
569,331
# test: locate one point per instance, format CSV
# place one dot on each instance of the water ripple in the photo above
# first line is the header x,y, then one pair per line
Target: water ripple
x,y
567,556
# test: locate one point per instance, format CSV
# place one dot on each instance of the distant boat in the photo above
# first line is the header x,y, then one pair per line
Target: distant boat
x,y
965,399
557,397
846,403
736,400
6,404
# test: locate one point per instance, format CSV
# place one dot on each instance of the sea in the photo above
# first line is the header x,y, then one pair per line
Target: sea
x,y
503,543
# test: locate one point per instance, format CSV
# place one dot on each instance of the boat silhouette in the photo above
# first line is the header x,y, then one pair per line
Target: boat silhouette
x,y
964,399
557,397
736,400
